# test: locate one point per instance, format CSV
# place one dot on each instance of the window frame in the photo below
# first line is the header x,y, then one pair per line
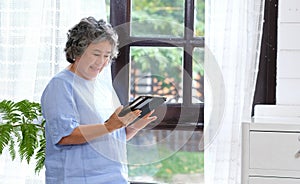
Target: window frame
x,y
265,90
178,115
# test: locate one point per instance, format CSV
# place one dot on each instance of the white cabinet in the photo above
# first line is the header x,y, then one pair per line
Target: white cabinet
x,y
270,153
266,180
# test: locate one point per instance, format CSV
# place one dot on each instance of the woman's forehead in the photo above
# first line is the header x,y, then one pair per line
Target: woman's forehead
x,y
102,46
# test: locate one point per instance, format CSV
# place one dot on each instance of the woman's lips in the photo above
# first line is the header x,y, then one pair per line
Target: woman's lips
x,y
95,68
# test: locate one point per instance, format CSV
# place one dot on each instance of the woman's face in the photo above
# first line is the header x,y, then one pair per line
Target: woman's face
x,y
93,60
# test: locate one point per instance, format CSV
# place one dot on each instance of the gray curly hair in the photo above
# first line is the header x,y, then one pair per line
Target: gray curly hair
x,y
88,31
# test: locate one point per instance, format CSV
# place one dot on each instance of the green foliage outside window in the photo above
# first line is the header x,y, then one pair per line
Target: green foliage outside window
x,y
182,162
158,61
165,19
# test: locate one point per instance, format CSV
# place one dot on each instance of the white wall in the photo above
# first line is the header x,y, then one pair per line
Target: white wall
x,y
288,54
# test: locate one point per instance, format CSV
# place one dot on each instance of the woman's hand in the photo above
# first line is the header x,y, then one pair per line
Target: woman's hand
x,y
115,122
140,124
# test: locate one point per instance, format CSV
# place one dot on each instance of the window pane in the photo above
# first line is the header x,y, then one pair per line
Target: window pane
x,y
165,156
198,73
107,4
152,18
156,71
199,17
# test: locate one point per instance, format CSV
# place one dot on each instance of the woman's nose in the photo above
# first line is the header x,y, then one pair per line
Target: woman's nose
x,y
100,60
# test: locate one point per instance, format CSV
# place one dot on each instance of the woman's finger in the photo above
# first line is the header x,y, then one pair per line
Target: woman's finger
x,y
128,118
119,109
148,115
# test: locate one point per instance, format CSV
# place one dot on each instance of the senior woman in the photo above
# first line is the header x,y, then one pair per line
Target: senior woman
x,y
85,137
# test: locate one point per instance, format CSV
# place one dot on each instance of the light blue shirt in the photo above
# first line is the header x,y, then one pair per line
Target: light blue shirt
x,y
67,102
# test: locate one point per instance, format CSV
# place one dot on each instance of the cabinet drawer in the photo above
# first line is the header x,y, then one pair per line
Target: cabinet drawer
x,y
274,151
261,180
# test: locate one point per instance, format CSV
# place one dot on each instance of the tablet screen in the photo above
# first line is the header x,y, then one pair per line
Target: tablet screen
x,y
143,103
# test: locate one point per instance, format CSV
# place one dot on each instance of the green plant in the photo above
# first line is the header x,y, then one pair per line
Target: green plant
x,y
22,130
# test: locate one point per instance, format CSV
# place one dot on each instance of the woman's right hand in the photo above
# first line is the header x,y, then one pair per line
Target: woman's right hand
x,y
115,122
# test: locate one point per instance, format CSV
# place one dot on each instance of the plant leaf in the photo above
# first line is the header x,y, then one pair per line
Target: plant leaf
x,y
29,110
5,130
29,141
22,123
40,156
12,151
9,110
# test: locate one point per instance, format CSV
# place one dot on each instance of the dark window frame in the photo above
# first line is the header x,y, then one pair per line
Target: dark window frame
x,y
265,91
179,116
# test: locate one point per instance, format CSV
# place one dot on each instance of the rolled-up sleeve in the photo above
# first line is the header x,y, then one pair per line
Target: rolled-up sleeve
x,y
59,110
60,127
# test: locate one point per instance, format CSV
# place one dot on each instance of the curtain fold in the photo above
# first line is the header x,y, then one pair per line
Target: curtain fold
x,y
233,31
32,39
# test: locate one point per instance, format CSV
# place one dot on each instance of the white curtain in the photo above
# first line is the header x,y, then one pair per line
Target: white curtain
x,y
32,39
233,31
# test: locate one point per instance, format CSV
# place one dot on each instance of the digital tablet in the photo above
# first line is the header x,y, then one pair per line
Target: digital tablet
x,y
144,103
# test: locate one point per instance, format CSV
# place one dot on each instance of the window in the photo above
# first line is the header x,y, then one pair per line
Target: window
x,y
265,92
189,47
161,53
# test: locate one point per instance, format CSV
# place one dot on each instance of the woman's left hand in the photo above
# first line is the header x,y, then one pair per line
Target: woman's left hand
x,y
132,129
144,121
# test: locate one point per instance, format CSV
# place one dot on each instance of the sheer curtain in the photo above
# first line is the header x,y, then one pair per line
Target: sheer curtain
x,y
32,39
233,30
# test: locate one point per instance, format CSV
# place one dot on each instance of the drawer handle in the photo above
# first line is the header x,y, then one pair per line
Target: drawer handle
x,y
297,155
